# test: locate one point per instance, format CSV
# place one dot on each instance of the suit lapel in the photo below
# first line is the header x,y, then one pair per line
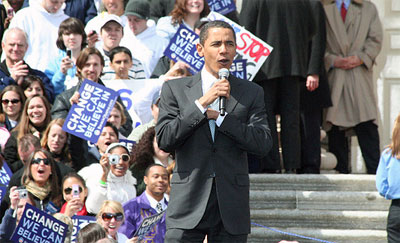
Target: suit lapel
x,y
235,95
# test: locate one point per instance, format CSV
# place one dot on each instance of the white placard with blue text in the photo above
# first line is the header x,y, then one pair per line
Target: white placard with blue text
x,y
222,6
87,118
38,226
249,46
136,94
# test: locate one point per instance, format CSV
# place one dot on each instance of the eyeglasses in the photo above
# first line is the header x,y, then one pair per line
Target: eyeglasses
x,y
108,216
7,101
38,160
68,190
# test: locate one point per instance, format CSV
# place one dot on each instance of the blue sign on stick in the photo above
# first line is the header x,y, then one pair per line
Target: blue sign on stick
x,y
87,118
38,226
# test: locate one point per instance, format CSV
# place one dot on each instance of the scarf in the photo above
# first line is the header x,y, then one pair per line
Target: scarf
x,y
40,192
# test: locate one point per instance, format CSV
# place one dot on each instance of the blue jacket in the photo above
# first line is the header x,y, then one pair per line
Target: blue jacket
x,y
53,72
5,79
84,10
7,226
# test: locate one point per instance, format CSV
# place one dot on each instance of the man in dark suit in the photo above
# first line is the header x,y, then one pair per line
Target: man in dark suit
x,y
210,183
288,26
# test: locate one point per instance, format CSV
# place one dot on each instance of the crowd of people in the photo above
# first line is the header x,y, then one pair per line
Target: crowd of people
x,y
323,57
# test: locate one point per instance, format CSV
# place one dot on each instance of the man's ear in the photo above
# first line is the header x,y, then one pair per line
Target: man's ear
x,y
145,180
200,49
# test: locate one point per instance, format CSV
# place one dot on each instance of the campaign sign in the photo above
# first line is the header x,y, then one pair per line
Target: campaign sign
x,y
222,6
38,226
3,190
249,46
87,118
128,143
238,68
147,224
182,47
5,174
137,95
79,222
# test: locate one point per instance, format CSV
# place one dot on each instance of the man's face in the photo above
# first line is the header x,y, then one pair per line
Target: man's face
x,y
114,6
156,181
15,46
92,68
24,156
111,33
137,24
218,50
121,64
52,6
106,138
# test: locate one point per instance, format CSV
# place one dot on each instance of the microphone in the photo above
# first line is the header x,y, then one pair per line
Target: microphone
x,y
223,73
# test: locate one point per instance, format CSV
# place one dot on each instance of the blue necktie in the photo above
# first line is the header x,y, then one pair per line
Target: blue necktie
x,y
211,122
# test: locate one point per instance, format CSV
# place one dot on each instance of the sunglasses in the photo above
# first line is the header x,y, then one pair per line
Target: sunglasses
x,y
38,160
7,101
108,216
124,157
68,190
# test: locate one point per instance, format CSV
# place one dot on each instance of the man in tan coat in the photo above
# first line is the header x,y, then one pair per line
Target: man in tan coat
x,y
354,39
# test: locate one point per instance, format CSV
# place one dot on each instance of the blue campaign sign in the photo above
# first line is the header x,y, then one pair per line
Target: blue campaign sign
x,y
38,226
5,174
182,47
87,118
222,6
79,222
3,190
128,143
238,68
147,224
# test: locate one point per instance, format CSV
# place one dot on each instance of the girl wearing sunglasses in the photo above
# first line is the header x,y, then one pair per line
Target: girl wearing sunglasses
x,y
74,193
12,101
111,216
110,179
40,179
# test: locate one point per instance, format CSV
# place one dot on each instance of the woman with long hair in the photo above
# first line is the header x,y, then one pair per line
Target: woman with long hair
x,y
388,182
34,120
12,102
74,200
33,85
40,179
71,40
54,140
186,12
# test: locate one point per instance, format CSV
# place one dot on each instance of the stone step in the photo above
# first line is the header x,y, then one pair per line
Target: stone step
x,y
320,219
312,182
318,200
259,234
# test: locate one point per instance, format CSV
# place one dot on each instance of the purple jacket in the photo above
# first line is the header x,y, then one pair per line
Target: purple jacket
x,y
135,211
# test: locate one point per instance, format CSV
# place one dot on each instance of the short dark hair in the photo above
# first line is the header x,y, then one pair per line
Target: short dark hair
x,y
109,124
146,172
71,25
29,79
91,233
214,24
119,49
27,140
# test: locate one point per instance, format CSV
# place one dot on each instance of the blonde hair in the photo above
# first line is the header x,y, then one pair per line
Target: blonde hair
x,y
395,144
114,205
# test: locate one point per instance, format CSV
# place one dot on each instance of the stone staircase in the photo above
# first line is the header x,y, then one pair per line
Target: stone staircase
x,y
329,207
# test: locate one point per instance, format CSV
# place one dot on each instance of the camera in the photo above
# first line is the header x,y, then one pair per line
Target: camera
x,y
75,191
22,193
113,158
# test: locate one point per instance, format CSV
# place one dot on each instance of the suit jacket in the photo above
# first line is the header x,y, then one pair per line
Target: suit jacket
x,y
286,25
352,91
183,128
319,98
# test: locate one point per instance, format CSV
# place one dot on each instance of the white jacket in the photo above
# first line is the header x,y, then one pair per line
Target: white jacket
x,y
41,28
120,189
